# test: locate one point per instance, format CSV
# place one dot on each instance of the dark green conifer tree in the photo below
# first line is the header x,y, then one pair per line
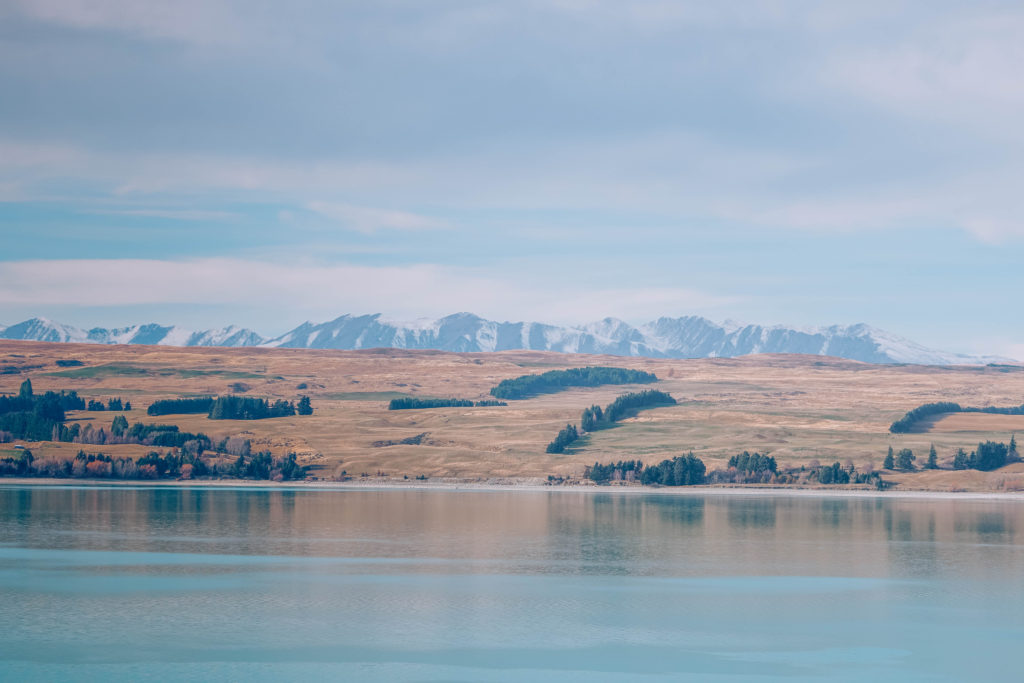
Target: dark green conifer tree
x,y
119,425
960,460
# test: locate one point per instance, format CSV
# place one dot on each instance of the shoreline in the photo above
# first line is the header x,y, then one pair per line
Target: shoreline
x,y
485,487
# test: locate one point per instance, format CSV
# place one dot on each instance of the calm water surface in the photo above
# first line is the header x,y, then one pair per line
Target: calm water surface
x,y
128,584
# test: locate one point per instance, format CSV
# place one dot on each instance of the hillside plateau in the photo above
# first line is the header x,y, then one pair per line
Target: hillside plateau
x,y
799,409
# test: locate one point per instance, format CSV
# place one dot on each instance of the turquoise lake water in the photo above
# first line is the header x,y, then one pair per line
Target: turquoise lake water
x,y
403,585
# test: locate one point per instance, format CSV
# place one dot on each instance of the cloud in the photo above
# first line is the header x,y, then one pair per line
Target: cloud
x,y
994,345
45,156
369,220
996,231
659,171
325,291
674,175
790,115
958,67
986,206
203,22
170,214
37,166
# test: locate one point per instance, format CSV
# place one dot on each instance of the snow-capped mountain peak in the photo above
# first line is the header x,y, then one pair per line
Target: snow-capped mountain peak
x,y
682,337
41,329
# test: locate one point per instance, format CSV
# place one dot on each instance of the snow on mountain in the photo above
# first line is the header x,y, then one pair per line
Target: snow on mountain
x,y
231,335
41,329
684,337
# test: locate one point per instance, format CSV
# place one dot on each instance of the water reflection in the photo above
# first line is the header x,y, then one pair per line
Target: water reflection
x,y
440,585
758,513
529,532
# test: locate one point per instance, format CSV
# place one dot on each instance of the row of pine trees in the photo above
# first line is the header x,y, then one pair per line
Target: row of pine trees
x,y
988,456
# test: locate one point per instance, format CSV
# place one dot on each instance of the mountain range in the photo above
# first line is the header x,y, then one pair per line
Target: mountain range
x,y
685,337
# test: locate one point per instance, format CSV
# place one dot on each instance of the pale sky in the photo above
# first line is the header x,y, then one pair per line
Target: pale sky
x,y
262,163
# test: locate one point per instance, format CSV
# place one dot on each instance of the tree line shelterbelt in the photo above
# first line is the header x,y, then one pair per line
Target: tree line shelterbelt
x,y
755,468
595,418
554,381
909,422
31,416
178,464
414,403
231,407
41,417
988,456
745,468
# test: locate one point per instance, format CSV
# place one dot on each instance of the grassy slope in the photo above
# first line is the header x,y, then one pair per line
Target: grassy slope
x,y
799,409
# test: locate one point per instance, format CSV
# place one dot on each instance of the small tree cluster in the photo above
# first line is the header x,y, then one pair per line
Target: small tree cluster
x,y
249,408
263,465
624,470
591,418
905,460
183,463
834,474
988,456
32,416
112,404
746,462
565,436
683,470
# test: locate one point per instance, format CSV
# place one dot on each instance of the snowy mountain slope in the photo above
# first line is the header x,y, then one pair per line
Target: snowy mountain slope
x,y
41,329
684,337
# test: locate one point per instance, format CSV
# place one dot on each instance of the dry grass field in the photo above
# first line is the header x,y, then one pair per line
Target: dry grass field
x,y
797,408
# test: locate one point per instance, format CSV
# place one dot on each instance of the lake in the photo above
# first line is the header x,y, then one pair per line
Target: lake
x,y
101,583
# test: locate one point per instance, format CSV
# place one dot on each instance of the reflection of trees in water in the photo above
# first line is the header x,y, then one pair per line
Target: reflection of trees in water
x,y
608,532
752,512
899,524
678,510
565,532
929,539
987,527
836,512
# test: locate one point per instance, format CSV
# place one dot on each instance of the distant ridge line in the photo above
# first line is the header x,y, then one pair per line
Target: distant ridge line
x,y
682,337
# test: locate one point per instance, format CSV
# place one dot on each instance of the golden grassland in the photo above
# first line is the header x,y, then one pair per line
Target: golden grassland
x,y
797,408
